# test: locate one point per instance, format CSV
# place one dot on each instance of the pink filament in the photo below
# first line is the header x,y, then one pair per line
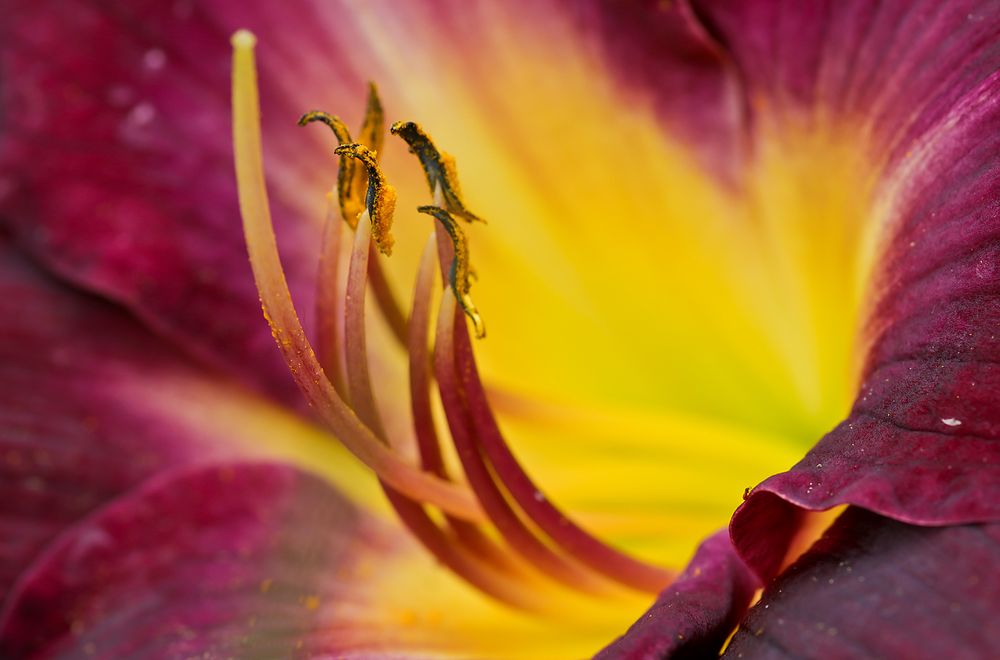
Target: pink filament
x,y
356,354
387,304
428,444
512,529
457,557
575,541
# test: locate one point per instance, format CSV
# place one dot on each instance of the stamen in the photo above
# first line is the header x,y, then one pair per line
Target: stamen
x,y
349,175
458,272
372,133
439,167
483,576
380,200
419,363
476,570
511,528
284,321
574,540
386,300
352,181
428,444
358,378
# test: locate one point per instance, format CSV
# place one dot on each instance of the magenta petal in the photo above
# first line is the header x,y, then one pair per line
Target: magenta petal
x,y
229,560
694,616
661,53
117,171
877,588
76,375
901,64
922,443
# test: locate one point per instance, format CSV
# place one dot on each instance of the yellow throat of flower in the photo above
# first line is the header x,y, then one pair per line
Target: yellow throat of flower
x,y
496,528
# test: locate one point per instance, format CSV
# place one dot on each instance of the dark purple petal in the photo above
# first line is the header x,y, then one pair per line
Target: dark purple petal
x,y
694,616
922,443
878,588
229,560
899,65
117,171
80,422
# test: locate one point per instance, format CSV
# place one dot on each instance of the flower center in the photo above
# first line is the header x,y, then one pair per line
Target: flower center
x,y
497,529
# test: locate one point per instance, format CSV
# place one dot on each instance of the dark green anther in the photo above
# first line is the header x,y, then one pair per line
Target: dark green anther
x,y
380,200
459,272
348,197
439,168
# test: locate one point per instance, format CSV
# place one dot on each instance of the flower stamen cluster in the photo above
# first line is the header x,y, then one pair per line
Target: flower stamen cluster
x,y
497,530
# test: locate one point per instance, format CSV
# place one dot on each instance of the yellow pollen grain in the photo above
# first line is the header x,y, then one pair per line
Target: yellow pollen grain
x,y
385,207
450,171
311,602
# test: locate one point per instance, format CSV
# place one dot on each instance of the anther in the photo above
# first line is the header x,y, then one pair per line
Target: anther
x,y
336,125
348,173
380,199
460,271
439,167
372,133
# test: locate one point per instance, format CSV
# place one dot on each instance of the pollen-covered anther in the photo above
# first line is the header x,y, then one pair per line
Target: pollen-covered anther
x,y
439,167
372,133
380,200
349,175
460,272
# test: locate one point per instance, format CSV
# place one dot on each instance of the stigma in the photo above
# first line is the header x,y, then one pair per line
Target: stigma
x,y
493,526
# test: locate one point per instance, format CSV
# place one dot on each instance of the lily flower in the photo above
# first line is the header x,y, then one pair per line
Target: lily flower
x,y
717,229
